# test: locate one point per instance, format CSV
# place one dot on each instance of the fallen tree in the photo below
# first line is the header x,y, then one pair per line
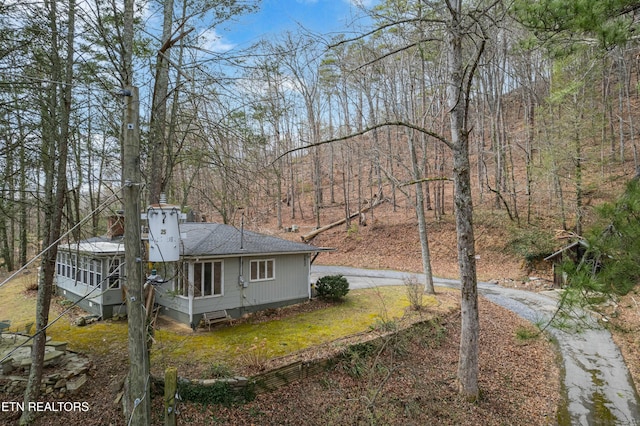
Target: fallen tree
x,y
311,235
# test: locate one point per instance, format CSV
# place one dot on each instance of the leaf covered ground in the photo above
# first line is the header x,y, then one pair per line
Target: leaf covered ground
x,y
411,381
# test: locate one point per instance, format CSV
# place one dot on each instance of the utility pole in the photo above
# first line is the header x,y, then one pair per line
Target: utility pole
x,y
137,398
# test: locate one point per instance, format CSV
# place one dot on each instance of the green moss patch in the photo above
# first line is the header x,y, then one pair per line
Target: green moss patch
x,y
235,346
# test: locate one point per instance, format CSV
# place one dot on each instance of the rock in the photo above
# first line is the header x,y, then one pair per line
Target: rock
x,y
76,383
60,384
81,369
116,384
81,322
58,346
6,366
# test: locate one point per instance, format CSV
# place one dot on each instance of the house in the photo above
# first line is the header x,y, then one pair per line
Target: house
x,y
221,268
225,268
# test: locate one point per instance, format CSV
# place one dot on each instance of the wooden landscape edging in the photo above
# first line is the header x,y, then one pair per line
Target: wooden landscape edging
x,y
274,379
282,376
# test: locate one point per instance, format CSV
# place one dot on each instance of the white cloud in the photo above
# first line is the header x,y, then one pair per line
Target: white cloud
x,y
362,3
210,40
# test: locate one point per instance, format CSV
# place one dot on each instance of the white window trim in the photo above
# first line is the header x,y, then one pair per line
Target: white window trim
x,y
191,280
272,260
114,273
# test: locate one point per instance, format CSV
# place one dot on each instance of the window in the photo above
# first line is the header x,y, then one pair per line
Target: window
x,y
67,262
181,286
262,270
207,279
59,264
114,272
96,272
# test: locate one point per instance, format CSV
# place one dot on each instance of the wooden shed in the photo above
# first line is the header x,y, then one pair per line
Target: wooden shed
x,y
573,252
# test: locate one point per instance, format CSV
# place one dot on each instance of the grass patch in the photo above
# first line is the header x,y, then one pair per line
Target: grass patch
x,y
196,353
526,333
358,312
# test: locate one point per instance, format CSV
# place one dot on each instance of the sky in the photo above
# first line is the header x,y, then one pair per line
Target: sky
x,y
277,16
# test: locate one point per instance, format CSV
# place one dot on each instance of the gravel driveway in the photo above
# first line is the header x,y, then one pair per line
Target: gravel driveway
x,y
597,384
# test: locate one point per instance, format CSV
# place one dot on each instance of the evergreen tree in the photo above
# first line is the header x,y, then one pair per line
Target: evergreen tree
x,y
610,264
566,23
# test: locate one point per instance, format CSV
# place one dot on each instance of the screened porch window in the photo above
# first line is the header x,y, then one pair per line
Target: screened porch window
x,y
206,276
115,270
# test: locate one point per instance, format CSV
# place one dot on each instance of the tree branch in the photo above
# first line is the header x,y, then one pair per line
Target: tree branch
x,y
382,27
367,130
435,179
393,52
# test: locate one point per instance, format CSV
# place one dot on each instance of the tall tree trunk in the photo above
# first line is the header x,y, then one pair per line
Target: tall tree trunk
x,y
24,243
7,204
469,334
57,131
422,221
158,118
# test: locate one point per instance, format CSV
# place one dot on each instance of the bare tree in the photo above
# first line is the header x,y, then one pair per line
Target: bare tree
x,y
56,109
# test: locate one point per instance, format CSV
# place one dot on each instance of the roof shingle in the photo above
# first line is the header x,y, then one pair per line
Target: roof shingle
x,y
215,239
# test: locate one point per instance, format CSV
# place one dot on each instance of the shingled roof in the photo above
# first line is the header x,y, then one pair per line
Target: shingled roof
x,y
215,239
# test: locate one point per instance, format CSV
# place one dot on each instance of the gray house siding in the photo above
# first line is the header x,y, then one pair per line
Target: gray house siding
x,y
291,281
239,271
97,298
90,305
290,284
105,307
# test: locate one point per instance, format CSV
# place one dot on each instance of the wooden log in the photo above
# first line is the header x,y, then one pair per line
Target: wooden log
x,y
315,232
170,389
149,296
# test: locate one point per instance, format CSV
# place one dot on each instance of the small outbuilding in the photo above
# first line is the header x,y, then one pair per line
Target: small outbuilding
x,y
573,252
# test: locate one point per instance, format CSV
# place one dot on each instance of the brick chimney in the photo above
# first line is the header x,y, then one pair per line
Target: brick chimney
x,y
115,226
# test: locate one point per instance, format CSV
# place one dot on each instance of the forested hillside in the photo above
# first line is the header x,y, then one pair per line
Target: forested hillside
x,y
550,134
459,130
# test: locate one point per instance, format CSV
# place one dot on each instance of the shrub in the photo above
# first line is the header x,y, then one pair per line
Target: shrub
x,y
415,292
220,371
256,355
332,287
219,393
355,358
532,245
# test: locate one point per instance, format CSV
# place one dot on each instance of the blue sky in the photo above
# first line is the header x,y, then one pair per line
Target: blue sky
x,y
277,16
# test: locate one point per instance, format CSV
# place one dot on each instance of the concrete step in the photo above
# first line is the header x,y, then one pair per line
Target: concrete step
x,y
50,358
58,346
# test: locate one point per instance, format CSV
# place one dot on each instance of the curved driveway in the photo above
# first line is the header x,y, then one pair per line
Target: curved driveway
x,y
597,384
